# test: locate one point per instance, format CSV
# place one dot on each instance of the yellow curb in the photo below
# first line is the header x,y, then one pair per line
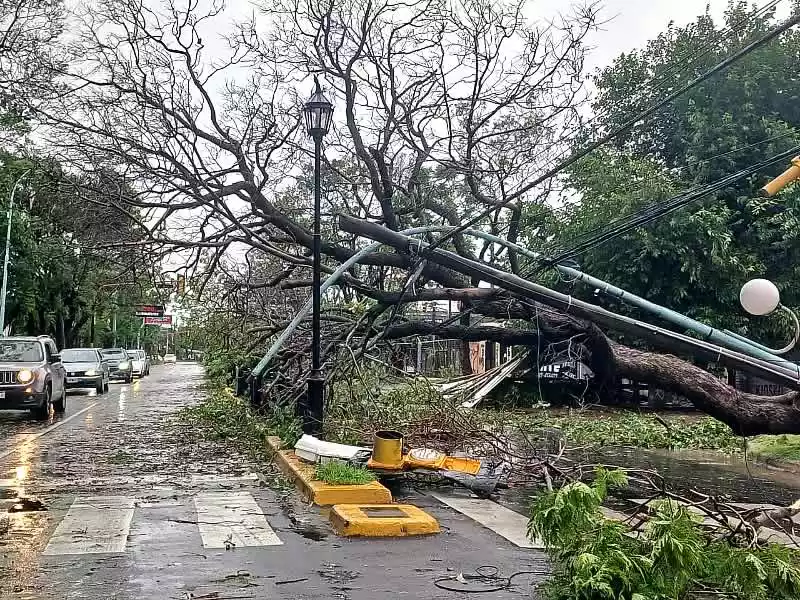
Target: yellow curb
x,y
321,493
381,520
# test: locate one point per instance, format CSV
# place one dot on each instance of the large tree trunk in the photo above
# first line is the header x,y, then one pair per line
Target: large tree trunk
x,y
746,414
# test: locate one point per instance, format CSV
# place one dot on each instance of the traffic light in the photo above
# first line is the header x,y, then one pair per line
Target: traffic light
x,y
181,284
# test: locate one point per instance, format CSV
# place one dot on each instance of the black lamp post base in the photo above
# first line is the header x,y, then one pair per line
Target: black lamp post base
x,y
314,404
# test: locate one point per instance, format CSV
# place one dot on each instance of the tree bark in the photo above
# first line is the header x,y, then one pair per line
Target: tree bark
x,y
746,414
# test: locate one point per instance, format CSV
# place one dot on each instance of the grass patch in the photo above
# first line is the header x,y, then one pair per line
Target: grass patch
x,y
336,473
223,416
780,447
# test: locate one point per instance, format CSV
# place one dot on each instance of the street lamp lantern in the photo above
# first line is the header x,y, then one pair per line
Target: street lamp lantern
x,y
759,297
318,112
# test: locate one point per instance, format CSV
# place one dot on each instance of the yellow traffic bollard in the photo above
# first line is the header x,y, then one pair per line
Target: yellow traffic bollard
x,y
387,450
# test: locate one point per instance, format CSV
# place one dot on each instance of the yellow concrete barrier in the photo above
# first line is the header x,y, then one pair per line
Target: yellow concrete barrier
x,y
321,493
376,520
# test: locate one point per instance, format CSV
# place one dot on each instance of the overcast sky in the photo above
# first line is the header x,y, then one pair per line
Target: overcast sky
x,y
632,22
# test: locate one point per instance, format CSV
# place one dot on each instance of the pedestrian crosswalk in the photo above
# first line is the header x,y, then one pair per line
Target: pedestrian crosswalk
x,y
103,524
503,521
229,520
93,525
221,520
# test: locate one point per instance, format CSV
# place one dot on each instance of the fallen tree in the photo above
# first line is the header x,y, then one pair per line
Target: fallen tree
x,y
220,167
746,414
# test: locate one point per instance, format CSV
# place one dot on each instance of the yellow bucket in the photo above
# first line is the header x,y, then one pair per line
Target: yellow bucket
x,y
387,449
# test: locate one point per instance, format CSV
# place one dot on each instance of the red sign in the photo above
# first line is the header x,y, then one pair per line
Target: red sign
x,y
165,320
150,310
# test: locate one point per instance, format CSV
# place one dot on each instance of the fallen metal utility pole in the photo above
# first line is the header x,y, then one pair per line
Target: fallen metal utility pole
x,y
659,337
722,338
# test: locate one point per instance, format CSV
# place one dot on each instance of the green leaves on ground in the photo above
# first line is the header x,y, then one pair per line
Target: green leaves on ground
x,y
642,430
624,428
671,558
777,447
337,473
223,416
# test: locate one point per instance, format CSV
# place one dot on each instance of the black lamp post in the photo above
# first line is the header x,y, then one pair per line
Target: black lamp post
x,y
318,113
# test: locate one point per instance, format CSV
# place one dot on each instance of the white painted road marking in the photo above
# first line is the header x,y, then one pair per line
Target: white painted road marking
x,y
503,521
765,533
234,517
36,436
93,525
223,480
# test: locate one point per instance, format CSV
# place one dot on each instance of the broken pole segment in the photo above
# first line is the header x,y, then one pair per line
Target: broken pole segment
x,y
708,333
658,336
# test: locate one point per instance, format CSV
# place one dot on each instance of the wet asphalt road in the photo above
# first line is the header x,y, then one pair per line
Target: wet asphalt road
x,y
125,486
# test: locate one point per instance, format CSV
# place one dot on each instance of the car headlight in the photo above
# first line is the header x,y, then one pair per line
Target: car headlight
x,y
25,376
124,365
91,372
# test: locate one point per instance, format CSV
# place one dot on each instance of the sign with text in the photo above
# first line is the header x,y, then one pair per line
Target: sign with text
x,y
150,310
163,320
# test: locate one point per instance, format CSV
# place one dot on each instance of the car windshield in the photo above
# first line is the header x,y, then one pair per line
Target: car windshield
x,y
20,351
115,353
76,355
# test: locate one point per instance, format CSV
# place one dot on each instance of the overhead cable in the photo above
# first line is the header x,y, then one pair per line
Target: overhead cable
x,y
767,37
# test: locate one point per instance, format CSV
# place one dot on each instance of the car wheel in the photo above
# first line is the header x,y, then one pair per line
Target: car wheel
x,y
60,405
42,411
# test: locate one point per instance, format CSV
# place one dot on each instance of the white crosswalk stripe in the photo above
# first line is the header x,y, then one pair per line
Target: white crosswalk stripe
x,y
767,534
503,521
225,518
93,525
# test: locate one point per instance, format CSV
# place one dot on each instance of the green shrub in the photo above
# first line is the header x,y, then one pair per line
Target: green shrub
x,y
672,558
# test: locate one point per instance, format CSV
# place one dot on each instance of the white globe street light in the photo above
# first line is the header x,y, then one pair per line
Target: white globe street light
x,y
761,297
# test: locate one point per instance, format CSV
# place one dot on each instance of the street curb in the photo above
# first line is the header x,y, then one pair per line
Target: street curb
x,y
319,492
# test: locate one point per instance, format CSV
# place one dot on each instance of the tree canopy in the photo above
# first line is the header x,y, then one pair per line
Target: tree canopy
x,y
694,260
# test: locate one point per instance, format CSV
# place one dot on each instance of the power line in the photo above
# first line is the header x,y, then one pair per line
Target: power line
x,y
769,36
658,209
695,54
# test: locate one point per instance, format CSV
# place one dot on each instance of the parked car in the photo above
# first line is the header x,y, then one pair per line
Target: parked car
x,y
31,376
141,364
85,368
170,359
119,362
